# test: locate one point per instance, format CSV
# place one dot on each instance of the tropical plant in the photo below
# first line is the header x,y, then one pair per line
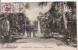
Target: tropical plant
x,y
56,13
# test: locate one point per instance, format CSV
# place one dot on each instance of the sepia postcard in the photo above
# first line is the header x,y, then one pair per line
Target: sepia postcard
x,y
38,25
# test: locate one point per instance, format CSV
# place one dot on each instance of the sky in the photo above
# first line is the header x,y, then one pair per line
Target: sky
x,y
34,10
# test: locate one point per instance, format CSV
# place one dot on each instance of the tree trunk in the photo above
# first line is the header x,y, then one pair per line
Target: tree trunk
x,y
64,18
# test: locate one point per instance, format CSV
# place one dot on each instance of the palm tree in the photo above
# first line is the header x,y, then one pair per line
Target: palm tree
x,y
64,18
71,5
55,8
72,20
54,11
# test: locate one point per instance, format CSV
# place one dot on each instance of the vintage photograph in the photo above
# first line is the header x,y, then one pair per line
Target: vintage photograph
x,y
52,23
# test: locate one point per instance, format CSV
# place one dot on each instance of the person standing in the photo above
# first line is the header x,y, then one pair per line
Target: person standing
x,y
28,30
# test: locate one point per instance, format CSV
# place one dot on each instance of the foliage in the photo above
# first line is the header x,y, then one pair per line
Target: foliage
x,y
17,22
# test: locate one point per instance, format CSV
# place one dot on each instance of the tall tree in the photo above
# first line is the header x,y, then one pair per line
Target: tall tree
x,y
56,8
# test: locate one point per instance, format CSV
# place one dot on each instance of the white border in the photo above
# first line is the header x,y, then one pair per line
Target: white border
x,y
43,1
33,0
